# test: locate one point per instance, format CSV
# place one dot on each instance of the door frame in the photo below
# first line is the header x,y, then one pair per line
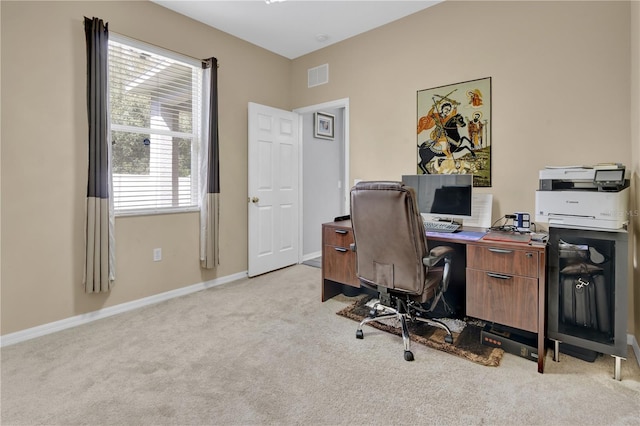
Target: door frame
x,y
339,103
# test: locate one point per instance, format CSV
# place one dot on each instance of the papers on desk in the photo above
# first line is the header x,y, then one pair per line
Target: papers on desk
x,y
480,211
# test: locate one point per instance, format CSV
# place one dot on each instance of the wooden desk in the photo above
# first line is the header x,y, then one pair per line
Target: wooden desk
x,y
505,281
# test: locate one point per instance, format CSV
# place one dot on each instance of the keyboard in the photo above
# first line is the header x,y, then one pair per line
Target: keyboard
x,y
436,226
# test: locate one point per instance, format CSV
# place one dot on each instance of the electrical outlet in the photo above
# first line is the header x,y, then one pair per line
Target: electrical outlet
x,y
157,254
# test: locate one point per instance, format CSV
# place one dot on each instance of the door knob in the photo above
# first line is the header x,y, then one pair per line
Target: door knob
x,y
255,200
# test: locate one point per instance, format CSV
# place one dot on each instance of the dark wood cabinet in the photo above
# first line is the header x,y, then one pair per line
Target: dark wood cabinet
x,y
505,284
338,261
502,286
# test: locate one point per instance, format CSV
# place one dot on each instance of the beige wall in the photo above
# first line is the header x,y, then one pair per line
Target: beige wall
x,y
44,158
560,87
561,79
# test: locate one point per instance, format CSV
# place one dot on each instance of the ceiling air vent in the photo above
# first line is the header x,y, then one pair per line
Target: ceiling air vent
x,y
318,75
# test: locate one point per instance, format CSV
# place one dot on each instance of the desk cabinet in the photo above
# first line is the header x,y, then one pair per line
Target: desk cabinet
x,y
502,286
505,284
338,261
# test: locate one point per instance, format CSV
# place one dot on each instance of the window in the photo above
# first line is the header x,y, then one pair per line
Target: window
x,y
155,117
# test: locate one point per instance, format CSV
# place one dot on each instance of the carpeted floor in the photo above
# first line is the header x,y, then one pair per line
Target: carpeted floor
x,y
267,351
466,344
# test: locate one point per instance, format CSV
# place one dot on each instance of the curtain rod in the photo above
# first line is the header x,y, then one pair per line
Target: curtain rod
x,y
203,61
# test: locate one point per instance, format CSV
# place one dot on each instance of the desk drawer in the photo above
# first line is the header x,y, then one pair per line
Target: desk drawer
x,y
339,265
340,237
506,299
505,260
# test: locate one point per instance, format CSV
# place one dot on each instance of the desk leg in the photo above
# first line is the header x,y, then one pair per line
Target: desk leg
x,y
542,351
330,289
542,309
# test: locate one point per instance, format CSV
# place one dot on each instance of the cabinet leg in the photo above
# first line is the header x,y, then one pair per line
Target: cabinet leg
x,y
616,371
556,350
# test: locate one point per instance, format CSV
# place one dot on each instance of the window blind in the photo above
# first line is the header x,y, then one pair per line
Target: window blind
x,y
155,116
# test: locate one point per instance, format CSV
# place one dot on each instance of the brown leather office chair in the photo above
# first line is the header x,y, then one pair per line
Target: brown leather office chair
x,y
392,257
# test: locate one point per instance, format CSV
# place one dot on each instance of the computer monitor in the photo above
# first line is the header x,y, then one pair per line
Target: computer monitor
x,y
442,197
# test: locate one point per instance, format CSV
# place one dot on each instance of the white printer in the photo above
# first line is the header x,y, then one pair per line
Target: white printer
x,y
584,197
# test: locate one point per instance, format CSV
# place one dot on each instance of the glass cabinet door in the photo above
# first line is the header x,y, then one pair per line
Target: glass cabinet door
x,y
587,288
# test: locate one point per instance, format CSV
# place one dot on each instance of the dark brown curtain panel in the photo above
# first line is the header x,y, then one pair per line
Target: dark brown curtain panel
x,y
210,183
99,257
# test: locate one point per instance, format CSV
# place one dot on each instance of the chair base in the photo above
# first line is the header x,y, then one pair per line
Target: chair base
x,y
410,315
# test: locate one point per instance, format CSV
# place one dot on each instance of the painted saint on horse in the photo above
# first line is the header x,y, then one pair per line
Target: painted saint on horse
x,y
441,113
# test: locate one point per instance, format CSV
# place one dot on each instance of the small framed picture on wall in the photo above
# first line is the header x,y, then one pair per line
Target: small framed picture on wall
x,y
324,125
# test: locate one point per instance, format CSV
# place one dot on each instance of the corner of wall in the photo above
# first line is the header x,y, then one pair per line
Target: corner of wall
x,y
635,168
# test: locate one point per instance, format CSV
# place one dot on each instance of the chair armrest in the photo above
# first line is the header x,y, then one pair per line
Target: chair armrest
x,y
436,254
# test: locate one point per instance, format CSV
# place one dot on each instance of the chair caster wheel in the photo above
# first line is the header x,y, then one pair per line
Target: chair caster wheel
x,y
408,356
359,334
448,338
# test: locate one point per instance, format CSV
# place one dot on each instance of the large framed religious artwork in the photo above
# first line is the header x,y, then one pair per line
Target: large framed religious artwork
x,y
454,130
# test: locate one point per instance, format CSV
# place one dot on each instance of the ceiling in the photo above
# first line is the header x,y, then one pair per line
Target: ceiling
x,y
295,27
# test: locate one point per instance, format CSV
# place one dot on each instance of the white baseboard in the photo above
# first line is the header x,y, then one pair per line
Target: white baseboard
x,y
631,340
52,327
311,256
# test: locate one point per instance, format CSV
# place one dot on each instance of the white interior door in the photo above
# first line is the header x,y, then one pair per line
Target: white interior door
x,y
273,191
